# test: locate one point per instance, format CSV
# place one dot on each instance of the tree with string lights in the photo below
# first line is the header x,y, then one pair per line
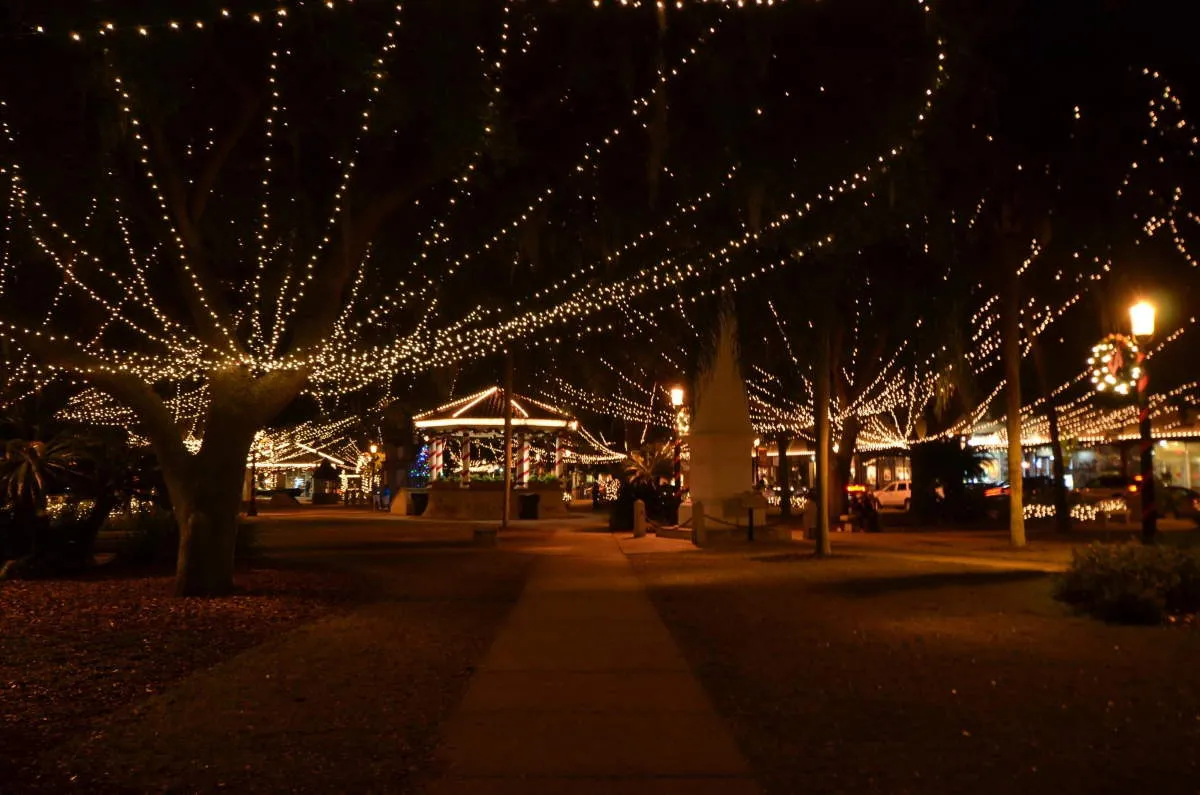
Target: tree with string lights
x,y
237,210
1009,152
217,257
1037,161
233,210
193,243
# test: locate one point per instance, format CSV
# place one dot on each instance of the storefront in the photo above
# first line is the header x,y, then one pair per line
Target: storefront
x,y
881,470
1176,461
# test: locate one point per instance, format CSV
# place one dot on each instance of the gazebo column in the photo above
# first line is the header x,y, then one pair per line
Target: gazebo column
x,y
437,452
523,478
560,458
466,458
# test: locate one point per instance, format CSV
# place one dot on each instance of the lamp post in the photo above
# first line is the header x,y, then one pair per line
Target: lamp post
x,y
1141,322
375,490
677,403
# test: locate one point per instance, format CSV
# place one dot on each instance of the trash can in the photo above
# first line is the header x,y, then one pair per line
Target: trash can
x,y
528,507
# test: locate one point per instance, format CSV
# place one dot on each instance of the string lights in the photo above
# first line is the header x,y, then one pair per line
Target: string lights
x,y
675,272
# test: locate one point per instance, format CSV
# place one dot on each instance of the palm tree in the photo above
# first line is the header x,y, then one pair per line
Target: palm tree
x,y
655,460
29,467
28,470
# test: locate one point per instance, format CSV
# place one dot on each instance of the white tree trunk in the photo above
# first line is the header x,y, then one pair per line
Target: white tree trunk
x,y
1010,331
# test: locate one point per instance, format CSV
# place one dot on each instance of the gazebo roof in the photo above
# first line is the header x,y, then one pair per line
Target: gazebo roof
x,y
484,411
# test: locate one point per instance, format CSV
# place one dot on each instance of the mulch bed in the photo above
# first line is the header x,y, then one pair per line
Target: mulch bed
x,y
868,674
74,650
350,702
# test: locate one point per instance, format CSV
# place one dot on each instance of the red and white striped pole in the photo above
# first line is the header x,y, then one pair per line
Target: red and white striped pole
x,y
523,479
436,453
560,458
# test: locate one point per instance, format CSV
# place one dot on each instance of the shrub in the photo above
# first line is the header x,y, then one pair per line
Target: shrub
x,y
1131,583
56,542
247,541
151,536
662,505
69,538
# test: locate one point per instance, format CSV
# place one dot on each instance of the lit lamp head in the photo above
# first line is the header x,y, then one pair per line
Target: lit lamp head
x,y
374,448
1141,319
676,396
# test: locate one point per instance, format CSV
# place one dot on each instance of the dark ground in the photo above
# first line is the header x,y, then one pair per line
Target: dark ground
x,y
72,651
881,670
123,689
880,674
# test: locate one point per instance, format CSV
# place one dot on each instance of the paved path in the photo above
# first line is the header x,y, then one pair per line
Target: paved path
x,y
584,691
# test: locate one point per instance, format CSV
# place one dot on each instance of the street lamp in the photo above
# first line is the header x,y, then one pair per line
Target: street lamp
x,y
677,403
375,492
1141,322
1141,319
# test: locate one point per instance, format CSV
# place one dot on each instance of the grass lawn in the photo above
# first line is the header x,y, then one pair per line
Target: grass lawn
x,y
879,674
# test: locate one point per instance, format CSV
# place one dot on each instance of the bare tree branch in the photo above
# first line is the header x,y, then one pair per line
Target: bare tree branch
x,y
324,301
216,162
204,300
127,388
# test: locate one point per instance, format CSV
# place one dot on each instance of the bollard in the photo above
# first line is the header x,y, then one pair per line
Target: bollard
x,y
699,535
750,524
639,519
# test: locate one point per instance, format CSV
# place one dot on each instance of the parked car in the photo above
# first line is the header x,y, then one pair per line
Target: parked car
x,y
1107,487
293,492
895,495
1176,502
1032,487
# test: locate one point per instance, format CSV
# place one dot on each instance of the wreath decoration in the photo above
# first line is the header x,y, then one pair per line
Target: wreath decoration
x,y
1114,363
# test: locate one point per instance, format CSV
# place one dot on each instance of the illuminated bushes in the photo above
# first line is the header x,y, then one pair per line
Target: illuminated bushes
x,y
1132,583
662,504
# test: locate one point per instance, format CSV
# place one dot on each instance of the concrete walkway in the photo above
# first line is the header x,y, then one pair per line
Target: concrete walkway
x,y
584,691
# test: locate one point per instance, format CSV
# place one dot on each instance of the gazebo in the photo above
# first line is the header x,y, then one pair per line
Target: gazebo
x,y
478,419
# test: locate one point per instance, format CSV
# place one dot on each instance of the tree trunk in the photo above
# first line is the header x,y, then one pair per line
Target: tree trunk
x,y
206,498
1062,515
840,474
1010,331
785,475
1062,512
89,529
206,488
506,501
824,442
